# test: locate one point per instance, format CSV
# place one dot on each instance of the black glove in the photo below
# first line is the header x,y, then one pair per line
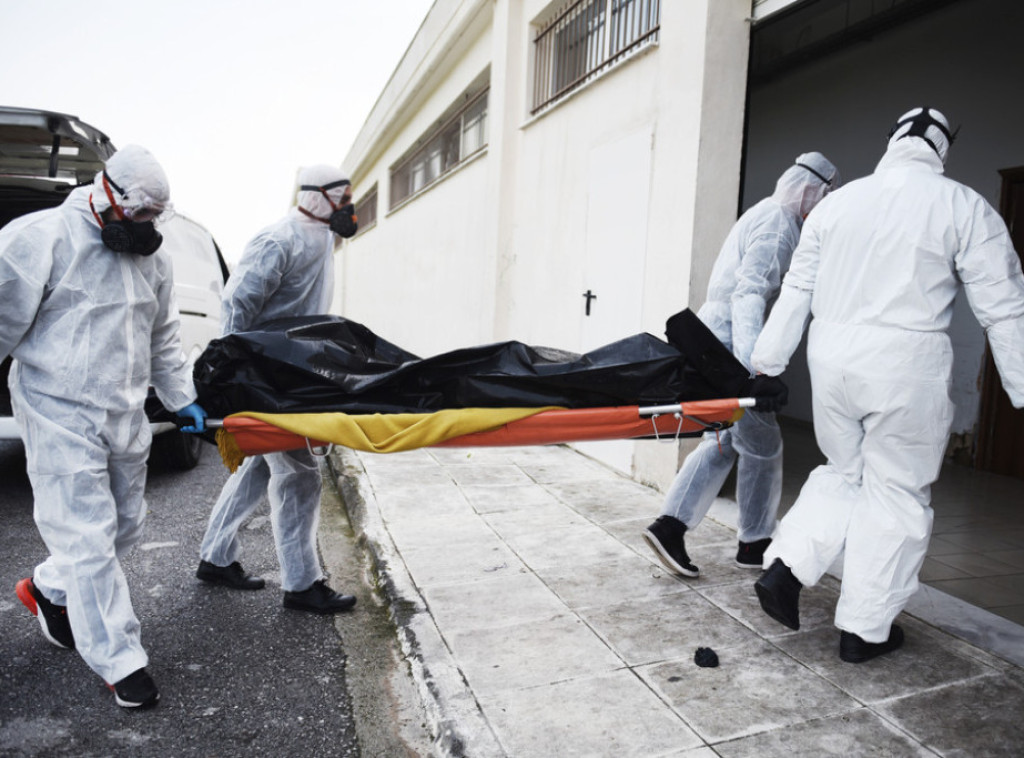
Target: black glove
x,y
770,392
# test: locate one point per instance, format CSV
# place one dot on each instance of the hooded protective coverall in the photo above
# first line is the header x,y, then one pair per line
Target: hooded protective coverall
x,y
90,330
286,270
878,265
744,282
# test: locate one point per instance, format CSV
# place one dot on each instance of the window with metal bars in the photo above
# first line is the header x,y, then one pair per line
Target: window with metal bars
x,y
457,139
586,37
366,210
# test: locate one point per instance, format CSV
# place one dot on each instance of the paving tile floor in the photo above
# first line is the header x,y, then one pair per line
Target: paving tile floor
x,y
538,623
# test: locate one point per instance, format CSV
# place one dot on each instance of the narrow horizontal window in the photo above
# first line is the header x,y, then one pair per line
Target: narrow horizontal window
x,y
462,135
366,210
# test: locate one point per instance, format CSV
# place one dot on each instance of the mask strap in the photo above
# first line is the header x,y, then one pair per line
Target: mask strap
x,y
316,218
94,213
804,165
331,185
107,184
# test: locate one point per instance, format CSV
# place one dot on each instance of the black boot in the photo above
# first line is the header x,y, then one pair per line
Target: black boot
x,y
319,598
779,593
853,649
665,538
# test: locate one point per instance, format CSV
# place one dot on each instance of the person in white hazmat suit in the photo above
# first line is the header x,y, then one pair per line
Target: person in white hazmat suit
x,y
878,265
744,283
287,269
87,312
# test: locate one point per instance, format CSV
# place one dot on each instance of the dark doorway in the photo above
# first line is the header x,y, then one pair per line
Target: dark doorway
x,y
1001,426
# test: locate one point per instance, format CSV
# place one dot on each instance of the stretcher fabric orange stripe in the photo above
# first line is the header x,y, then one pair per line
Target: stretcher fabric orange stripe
x,y
258,433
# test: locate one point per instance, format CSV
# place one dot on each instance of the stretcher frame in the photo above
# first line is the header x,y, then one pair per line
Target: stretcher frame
x,y
548,427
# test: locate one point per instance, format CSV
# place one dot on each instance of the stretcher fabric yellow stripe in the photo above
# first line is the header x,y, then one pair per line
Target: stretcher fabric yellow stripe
x,y
394,432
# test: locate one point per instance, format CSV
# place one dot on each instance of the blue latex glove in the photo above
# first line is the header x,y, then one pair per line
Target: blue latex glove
x,y
197,414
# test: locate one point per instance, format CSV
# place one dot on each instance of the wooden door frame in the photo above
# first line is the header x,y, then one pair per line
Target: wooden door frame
x,y
991,386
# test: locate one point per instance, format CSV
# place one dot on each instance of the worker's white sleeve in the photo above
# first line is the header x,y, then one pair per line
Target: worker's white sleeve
x,y
757,280
785,326
1006,339
171,371
252,284
782,332
990,270
24,271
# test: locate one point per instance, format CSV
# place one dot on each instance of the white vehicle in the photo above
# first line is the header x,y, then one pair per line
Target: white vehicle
x,y
43,156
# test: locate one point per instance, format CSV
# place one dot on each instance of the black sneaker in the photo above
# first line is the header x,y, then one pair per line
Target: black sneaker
x,y
232,576
319,598
853,649
779,593
53,618
137,690
665,538
751,554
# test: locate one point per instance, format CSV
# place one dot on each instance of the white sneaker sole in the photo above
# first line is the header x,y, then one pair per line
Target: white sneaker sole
x,y
129,704
666,559
757,566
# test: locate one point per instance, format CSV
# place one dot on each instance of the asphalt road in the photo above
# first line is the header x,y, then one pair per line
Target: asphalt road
x,y
238,674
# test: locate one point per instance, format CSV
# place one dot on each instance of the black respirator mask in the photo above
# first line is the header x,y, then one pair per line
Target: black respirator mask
x,y
342,220
124,235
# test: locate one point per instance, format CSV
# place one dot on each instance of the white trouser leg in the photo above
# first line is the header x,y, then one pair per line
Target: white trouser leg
x,y
758,442
812,534
700,478
242,493
295,490
89,518
886,543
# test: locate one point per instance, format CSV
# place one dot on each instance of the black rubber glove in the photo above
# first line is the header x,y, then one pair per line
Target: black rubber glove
x,y
770,392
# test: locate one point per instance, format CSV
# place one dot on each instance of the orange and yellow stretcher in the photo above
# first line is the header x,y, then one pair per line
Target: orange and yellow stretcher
x,y
242,434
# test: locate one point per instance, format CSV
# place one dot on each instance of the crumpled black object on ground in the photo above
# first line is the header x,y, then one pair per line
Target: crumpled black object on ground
x,y
329,363
706,658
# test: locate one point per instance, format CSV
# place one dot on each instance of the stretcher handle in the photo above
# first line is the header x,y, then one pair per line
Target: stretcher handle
x,y
655,411
218,423
210,423
659,410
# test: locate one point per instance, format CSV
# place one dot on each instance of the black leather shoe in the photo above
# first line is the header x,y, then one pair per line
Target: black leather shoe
x,y
319,598
779,593
232,576
853,649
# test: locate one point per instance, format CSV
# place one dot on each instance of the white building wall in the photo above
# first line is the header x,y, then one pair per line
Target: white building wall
x,y
422,276
505,247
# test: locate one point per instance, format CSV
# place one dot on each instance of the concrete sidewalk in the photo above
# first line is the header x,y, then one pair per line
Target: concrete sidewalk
x,y
538,623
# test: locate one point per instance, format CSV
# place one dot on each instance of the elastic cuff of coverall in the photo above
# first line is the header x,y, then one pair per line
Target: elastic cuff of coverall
x,y
112,673
301,585
804,574
55,596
